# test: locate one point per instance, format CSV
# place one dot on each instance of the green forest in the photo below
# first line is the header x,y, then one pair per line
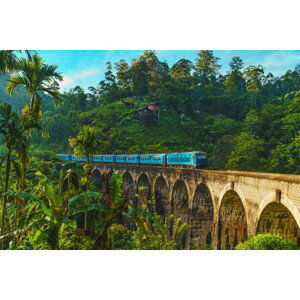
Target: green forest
x,y
246,120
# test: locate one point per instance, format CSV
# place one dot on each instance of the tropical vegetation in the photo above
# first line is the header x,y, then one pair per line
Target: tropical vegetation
x,y
245,120
267,241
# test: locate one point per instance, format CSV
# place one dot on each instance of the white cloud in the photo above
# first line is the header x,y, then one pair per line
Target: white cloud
x,y
279,62
69,81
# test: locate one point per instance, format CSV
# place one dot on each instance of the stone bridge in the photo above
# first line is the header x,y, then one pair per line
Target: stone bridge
x,y
222,207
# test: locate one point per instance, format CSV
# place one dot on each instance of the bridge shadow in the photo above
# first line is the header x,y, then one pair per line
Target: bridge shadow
x,y
180,200
143,192
161,196
96,179
232,227
277,219
202,217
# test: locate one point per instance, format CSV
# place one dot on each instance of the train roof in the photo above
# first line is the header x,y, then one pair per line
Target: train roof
x,y
153,154
191,152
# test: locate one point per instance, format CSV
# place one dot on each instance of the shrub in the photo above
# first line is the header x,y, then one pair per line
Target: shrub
x,y
267,241
119,237
43,154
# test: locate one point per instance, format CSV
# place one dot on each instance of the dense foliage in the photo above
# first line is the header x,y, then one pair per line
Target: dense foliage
x,y
267,241
244,120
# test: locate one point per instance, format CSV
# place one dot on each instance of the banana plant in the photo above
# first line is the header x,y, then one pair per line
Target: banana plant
x,y
115,207
153,233
84,203
49,219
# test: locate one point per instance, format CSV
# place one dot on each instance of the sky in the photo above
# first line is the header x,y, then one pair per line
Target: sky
x,y
87,67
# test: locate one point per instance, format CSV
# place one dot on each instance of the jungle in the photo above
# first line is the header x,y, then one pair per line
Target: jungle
x,y
246,120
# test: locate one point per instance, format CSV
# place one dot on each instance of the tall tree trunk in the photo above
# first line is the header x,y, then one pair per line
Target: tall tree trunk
x,y
87,186
7,173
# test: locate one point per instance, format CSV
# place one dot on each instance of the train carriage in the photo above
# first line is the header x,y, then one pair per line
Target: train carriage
x,y
66,157
158,159
77,159
120,159
97,158
109,158
133,159
145,159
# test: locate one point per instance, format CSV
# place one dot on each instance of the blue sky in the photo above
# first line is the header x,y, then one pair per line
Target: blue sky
x,y
87,67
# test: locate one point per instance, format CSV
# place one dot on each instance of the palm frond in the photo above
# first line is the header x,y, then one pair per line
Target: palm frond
x,y
54,94
15,81
8,61
30,198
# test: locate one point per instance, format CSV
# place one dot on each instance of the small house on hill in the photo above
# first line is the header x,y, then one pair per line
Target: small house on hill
x,y
149,113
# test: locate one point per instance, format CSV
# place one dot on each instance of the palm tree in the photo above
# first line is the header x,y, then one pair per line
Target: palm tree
x,y
37,78
115,205
15,139
9,60
85,143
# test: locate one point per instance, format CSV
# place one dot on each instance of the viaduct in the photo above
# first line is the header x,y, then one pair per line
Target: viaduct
x,y
223,208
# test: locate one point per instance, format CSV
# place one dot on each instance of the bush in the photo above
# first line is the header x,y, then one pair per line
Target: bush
x,y
43,154
119,237
267,241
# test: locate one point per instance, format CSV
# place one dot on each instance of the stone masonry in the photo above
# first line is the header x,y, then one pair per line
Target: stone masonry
x,y
222,207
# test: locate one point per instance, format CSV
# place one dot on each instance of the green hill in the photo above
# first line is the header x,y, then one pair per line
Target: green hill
x,y
245,119
121,131
20,97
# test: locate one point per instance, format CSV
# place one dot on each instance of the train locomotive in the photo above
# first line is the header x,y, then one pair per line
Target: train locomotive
x,y
195,159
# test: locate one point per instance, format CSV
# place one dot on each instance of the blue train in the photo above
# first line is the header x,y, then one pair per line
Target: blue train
x,y
195,159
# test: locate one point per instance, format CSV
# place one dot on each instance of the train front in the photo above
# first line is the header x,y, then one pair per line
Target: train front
x,y
201,159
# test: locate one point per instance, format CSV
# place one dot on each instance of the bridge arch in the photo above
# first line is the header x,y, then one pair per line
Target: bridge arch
x,y
290,205
96,179
202,216
109,173
143,190
180,200
128,187
276,218
161,191
232,223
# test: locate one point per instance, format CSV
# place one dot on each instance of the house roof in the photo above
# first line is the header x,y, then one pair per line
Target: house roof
x,y
147,105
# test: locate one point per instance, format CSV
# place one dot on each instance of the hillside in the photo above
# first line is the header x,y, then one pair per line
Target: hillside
x,y
245,120
122,132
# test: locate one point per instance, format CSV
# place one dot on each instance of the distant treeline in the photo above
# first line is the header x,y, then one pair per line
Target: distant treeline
x,y
246,119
